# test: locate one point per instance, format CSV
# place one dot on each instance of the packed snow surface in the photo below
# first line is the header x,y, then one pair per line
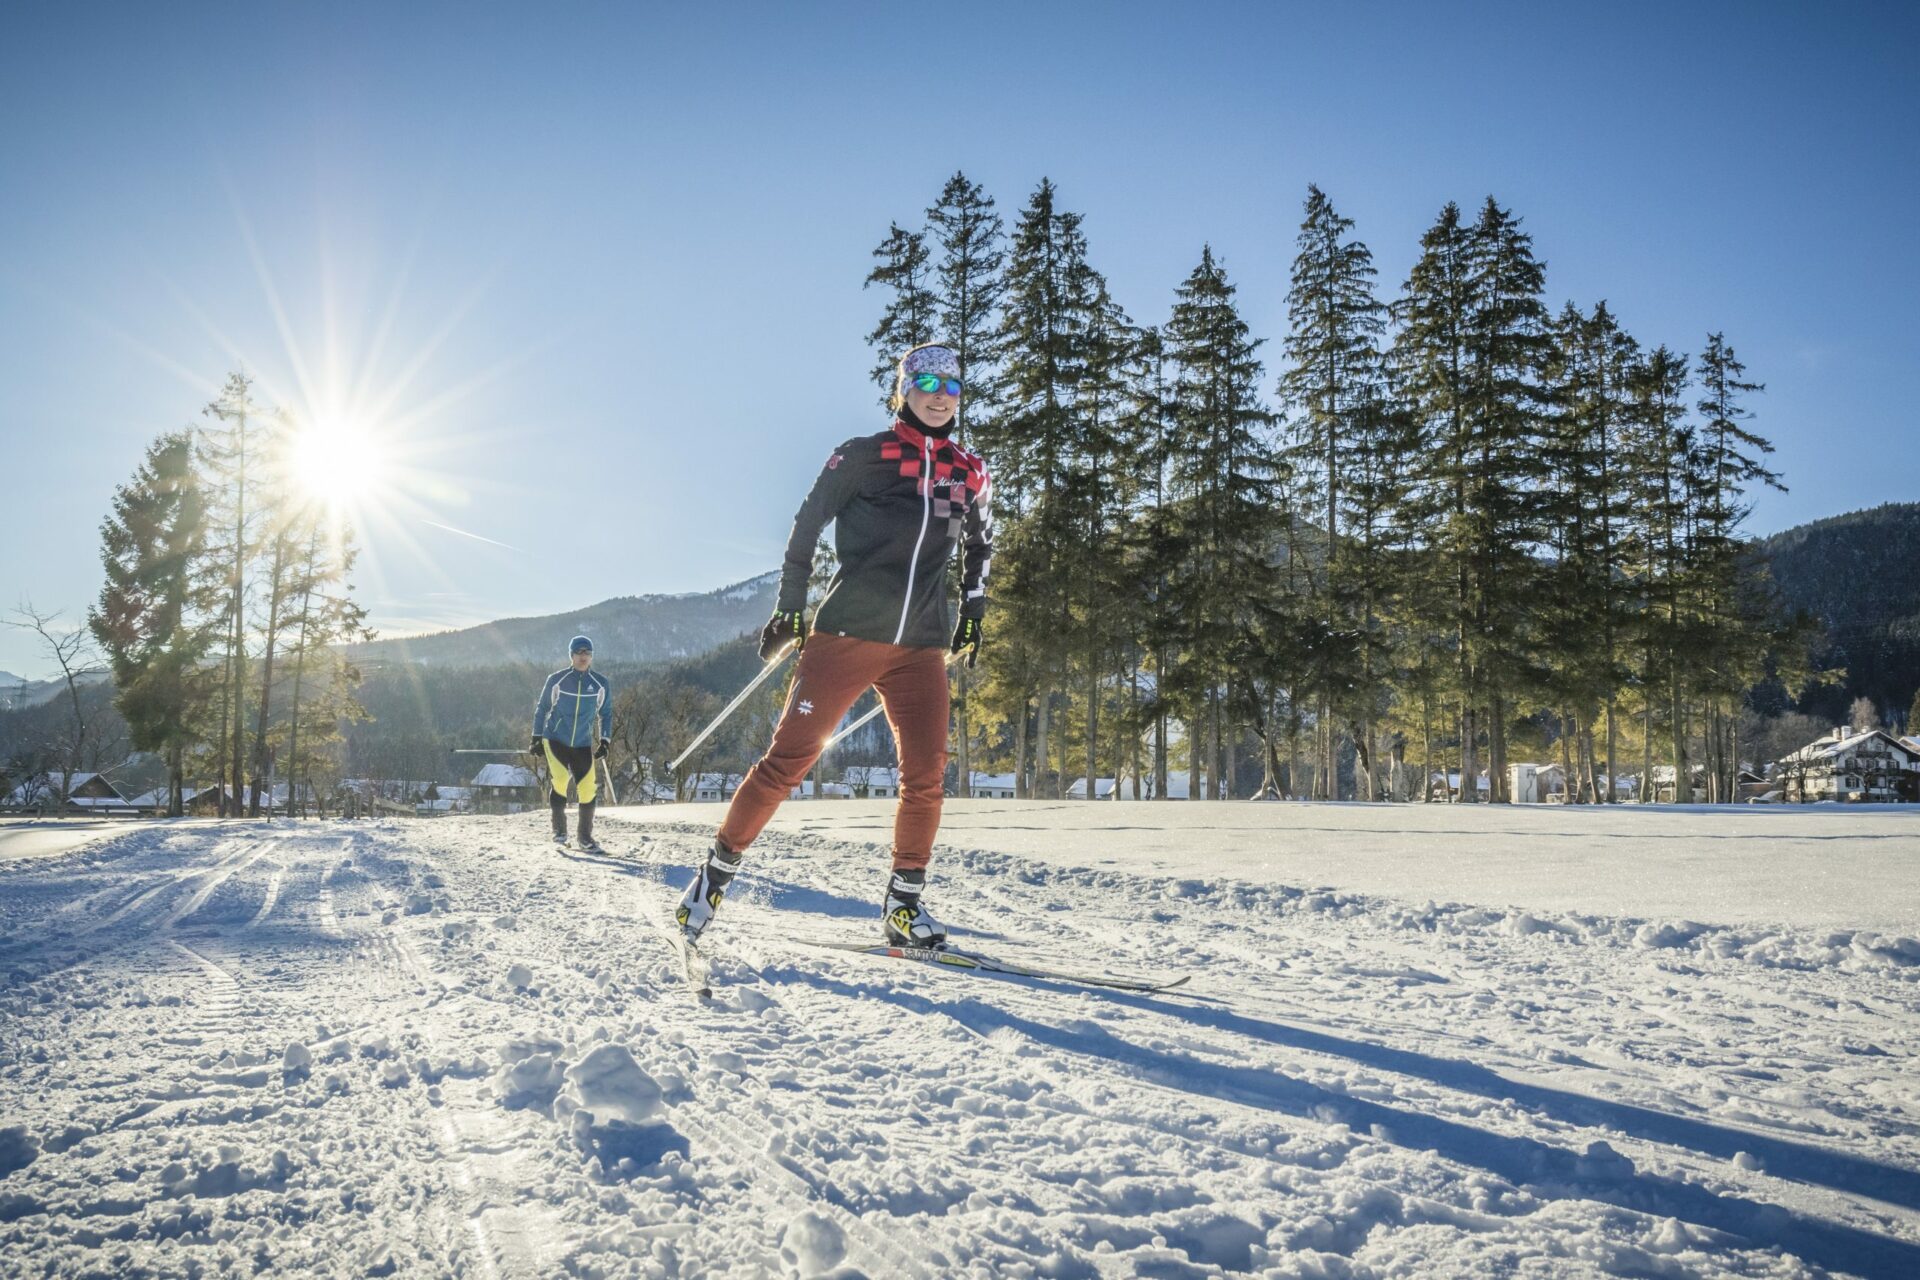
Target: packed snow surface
x,y
1417,1042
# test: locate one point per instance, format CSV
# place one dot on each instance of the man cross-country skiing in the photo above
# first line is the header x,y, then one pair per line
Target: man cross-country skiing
x,y
571,724
900,502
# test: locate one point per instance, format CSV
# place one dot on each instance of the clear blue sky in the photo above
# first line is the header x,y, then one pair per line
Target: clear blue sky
x,y
595,270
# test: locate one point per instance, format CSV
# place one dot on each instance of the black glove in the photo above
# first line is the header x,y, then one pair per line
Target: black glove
x,y
780,628
539,745
600,752
967,635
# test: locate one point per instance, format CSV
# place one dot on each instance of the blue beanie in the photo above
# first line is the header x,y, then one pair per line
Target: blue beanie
x,y
578,643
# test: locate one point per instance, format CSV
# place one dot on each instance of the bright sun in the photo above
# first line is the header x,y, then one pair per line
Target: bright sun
x,y
338,460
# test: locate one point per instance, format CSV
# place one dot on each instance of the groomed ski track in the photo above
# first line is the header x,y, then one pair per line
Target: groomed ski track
x,y
1350,1086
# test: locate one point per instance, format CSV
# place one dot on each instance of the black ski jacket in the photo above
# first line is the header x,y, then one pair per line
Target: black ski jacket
x,y
899,501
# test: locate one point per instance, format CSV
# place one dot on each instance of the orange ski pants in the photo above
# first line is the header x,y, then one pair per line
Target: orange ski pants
x,y
835,670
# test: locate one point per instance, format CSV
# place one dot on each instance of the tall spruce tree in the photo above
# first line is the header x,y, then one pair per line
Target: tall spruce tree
x,y
1331,381
1225,467
911,310
1663,446
1510,348
153,616
1738,618
970,238
1151,549
1587,613
1433,354
1044,321
1101,484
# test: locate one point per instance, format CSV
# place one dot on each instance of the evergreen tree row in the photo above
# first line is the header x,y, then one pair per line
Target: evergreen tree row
x,y
1459,520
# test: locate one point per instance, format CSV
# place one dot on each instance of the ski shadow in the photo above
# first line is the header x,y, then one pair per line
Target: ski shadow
x,y
1803,1162
1548,1171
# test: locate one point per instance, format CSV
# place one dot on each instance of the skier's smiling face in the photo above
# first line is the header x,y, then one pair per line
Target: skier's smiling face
x,y
935,408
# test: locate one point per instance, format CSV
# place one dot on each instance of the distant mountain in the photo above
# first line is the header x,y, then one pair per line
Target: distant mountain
x,y
17,692
625,629
1860,575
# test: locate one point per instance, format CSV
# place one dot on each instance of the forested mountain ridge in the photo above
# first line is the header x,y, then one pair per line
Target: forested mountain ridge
x,y
1859,574
1859,568
625,629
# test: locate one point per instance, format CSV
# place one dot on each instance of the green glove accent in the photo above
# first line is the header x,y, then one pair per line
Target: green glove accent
x,y
781,628
968,636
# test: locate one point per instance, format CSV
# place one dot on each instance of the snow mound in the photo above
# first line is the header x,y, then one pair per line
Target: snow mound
x,y
530,1074
610,1084
519,976
613,1108
813,1243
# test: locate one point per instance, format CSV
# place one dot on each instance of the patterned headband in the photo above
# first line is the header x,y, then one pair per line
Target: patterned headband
x,y
930,359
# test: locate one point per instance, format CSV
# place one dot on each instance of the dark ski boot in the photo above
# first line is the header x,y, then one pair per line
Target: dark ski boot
x,y
587,843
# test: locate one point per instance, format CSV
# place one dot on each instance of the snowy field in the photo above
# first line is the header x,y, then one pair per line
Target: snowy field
x,y
1417,1042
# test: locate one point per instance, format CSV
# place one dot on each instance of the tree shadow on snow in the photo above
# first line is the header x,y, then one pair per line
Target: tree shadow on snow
x,y
1548,1171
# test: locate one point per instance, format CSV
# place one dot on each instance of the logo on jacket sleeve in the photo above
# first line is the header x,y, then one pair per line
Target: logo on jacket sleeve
x,y
833,463
806,707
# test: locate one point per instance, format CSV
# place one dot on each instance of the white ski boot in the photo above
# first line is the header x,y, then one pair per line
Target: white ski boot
x,y
703,896
908,922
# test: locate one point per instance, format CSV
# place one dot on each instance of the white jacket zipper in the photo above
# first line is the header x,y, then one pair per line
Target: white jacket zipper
x,y
926,511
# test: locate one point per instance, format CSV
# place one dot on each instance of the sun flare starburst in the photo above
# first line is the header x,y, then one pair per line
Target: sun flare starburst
x,y
338,461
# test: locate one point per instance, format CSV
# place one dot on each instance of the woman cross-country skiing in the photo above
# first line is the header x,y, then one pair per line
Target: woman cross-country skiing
x,y
900,501
571,724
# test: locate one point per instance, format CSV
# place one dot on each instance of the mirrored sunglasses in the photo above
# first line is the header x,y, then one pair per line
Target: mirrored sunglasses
x,y
932,382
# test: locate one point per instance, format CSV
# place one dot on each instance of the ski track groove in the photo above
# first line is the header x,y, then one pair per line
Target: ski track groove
x,y
499,1231
819,1194
507,1243
803,1007
132,935
1545,1130
271,897
868,1248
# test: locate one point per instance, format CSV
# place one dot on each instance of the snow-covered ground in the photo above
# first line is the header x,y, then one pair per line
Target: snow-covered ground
x,y
1418,1041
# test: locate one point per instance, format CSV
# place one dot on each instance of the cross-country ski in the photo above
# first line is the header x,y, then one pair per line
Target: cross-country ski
x,y
956,957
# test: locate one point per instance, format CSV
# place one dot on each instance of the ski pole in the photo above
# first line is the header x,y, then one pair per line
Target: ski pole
x,y
853,728
611,793
773,665
867,719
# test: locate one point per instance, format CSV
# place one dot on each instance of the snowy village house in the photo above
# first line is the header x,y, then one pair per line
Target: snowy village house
x,y
85,793
1872,767
502,788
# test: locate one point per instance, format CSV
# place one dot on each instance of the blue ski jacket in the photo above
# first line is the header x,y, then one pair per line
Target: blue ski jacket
x,y
569,704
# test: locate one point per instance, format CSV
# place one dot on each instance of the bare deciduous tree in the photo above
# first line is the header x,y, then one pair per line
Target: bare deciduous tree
x,y
72,650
